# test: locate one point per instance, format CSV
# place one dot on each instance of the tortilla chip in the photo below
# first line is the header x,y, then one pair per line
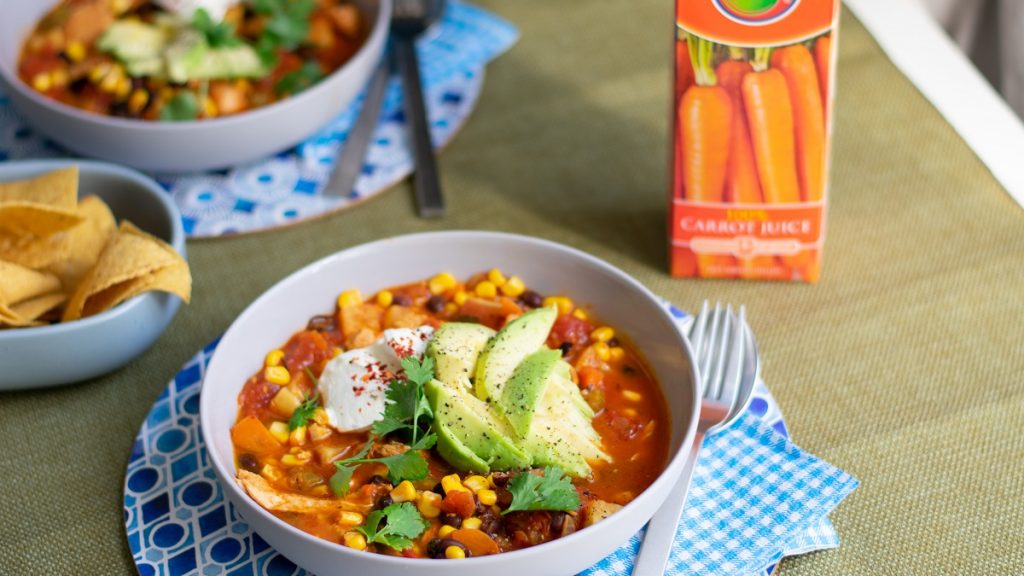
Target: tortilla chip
x,y
32,251
18,283
278,501
131,263
80,247
173,278
57,189
36,307
36,219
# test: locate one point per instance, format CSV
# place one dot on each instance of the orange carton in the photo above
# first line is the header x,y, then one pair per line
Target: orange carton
x,y
751,124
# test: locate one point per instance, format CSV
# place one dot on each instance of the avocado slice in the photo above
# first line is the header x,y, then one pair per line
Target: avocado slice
x,y
524,390
455,348
240,61
479,430
455,452
185,55
137,45
503,353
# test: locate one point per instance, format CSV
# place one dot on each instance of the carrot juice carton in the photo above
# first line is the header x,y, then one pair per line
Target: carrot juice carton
x,y
751,123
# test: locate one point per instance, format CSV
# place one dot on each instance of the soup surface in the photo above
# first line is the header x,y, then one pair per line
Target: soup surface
x,y
167,60
448,419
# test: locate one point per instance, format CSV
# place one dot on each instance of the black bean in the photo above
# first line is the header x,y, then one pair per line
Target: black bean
x,y
557,522
628,370
321,323
402,300
377,479
437,547
451,519
613,342
385,501
532,299
249,462
438,489
435,304
565,347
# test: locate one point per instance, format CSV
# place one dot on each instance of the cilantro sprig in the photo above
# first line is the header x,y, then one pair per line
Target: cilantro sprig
x,y
406,413
183,106
304,412
295,81
286,26
403,523
552,491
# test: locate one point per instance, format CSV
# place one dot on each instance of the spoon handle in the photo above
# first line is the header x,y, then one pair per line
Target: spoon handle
x,y
427,187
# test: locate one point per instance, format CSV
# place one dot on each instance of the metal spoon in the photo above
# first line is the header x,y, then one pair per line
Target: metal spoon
x,y
409,19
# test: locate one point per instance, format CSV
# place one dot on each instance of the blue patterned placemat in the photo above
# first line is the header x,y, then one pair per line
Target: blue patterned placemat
x,y
178,522
286,188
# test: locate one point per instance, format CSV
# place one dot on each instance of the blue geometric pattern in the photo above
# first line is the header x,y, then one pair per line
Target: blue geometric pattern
x,y
286,188
755,498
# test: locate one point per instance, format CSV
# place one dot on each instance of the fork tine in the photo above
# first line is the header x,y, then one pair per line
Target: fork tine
x,y
697,332
734,373
708,353
719,352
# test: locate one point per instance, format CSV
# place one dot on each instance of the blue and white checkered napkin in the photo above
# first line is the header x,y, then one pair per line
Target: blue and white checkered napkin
x,y
755,497
286,188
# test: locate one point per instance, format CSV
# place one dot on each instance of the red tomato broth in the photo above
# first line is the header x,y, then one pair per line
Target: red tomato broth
x,y
631,414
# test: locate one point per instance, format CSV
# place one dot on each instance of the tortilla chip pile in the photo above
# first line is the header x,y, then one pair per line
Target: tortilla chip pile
x,y
62,258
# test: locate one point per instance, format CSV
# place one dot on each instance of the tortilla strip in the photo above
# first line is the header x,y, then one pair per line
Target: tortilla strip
x,y
80,247
277,501
18,283
57,189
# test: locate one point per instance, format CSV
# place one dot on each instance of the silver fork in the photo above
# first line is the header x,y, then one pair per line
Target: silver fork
x,y
727,364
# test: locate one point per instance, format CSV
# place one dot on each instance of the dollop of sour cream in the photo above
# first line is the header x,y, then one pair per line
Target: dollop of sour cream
x,y
186,8
354,384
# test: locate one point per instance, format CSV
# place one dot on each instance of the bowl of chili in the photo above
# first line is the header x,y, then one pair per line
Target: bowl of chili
x,y
82,97
324,488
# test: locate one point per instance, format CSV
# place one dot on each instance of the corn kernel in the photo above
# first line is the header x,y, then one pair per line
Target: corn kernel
x,y
472,523
487,497
604,353
109,82
280,431
430,505
404,492
336,352
349,298
452,483
272,473
441,283
298,436
75,51
451,308
320,416
210,107
355,540
277,375
496,277
120,6
617,353
385,298
350,518
319,491
513,287
273,358
291,460
581,314
138,100
486,289
453,552
475,483
632,395
602,334
42,82
123,88
629,413
564,305
460,298
59,77
445,531
99,72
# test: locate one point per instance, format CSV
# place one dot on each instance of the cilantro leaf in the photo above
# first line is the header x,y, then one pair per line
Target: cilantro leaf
x,y
409,465
552,491
218,34
418,371
295,81
403,523
184,106
287,25
407,406
302,414
341,478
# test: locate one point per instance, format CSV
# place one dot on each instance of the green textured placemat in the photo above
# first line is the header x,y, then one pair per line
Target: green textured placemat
x,y
903,366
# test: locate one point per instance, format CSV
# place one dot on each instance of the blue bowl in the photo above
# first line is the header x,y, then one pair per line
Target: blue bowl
x,y
75,351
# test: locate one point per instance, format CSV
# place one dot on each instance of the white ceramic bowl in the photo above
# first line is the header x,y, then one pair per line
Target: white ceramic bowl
x,y
546,267
186,146
74,351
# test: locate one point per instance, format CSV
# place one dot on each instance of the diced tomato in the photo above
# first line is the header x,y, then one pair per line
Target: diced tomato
x,y
570,329
256,395
459,502
590,377
306,348
487,312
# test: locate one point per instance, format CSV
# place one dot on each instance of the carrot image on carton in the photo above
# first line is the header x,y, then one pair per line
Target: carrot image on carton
x,y
751,122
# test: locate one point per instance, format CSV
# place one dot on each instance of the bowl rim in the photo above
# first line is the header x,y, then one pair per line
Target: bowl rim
x,y
10,78
234,492
177,240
